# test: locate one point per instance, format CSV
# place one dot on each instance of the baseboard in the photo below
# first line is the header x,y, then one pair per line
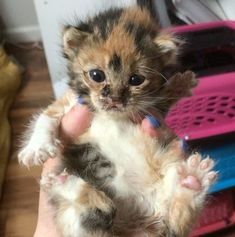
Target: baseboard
x,y
23,34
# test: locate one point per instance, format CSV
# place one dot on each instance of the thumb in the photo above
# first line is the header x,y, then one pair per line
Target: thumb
x,y
76,121
151,126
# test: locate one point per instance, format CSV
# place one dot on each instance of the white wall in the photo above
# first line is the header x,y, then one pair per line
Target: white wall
x,y
20,19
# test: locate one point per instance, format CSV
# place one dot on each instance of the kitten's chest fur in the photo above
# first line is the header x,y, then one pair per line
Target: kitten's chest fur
x,y
130,176
117,157
114,154
124,145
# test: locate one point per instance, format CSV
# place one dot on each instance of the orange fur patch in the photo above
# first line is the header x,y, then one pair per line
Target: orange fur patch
x,y
60,106
139,16
92,198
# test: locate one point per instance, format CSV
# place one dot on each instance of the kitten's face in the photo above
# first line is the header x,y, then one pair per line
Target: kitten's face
x,y
117,81
121,71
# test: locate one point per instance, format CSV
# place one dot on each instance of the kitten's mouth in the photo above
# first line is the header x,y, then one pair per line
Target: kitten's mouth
x,y
112,104
114,107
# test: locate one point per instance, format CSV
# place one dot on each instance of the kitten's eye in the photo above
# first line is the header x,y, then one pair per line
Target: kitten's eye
x,y
97,75
136,80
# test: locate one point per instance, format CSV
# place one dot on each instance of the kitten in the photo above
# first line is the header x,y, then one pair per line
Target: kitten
x,y
120,180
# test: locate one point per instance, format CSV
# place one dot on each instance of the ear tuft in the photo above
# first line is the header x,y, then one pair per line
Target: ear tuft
x,y
169,46
72,39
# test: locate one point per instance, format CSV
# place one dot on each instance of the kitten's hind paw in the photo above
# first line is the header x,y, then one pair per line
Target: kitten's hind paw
x,y
195,173
37,152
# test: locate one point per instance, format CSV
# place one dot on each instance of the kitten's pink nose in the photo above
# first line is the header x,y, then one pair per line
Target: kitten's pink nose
x,y
115,101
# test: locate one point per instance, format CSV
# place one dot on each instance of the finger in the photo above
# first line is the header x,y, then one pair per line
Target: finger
x,y
76,121
51,165
150,125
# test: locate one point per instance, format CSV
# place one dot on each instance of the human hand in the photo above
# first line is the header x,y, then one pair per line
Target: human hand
x,y
73,124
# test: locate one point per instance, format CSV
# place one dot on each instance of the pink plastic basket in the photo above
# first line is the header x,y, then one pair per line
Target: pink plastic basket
x,y
211,110
219,214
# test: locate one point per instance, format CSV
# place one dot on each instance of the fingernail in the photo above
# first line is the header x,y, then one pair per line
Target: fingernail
x,y
81,100
154,122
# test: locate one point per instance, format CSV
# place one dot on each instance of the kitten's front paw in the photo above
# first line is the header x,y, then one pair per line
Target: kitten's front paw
x,y
37,152
195,173
183,83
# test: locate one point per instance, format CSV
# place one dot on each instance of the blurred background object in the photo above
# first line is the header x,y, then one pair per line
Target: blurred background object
x,y
10,79
20,20
192,11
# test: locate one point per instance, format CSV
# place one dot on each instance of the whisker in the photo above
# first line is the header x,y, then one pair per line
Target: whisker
x,y
153,71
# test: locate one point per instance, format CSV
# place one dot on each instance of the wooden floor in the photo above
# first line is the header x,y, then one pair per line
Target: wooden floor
x,y
18,208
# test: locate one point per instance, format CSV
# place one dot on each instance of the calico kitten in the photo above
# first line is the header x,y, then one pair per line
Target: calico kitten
x,y
120,180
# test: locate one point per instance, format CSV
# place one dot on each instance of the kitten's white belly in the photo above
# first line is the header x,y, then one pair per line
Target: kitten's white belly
x,y
121,142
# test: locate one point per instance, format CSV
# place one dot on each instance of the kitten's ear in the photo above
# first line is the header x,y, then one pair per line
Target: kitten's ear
x,y
72,40
169,46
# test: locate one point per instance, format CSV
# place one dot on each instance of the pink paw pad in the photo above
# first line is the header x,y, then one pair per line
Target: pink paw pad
x,y
195,173
191,182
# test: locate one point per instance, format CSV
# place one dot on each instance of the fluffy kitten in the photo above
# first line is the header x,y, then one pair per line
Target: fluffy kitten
x,y
121,180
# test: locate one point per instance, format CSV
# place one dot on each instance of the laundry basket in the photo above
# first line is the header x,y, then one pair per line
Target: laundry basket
x,y
218,214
